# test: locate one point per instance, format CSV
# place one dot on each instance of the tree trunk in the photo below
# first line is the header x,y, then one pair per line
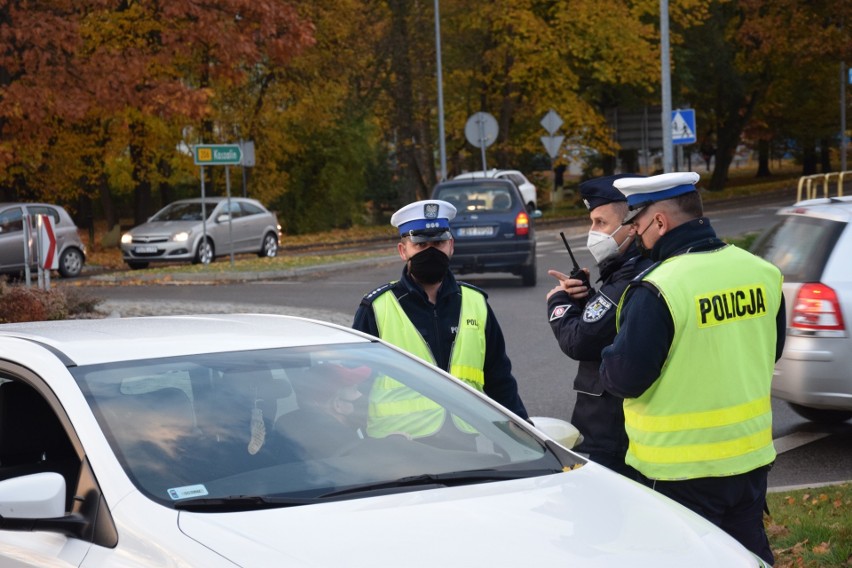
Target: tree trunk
x,y
763,159
825,155
410,184
809,159
142,194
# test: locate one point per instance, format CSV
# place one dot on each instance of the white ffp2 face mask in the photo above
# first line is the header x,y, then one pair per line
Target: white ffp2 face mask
x,y
602,245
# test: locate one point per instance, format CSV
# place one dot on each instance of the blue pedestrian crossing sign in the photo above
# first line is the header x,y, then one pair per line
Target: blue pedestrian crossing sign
x,y
683,126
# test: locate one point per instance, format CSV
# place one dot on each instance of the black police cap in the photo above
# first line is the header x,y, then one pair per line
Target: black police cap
x,y
600,191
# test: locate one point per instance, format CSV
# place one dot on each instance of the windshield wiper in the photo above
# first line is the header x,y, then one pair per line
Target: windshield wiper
x,y
241,503
449,479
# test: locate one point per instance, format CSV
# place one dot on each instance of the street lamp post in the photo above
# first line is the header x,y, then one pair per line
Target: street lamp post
x,y
443,149
666,86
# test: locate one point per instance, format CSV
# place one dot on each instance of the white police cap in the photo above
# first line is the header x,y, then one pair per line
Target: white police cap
x,y
641,192
423,221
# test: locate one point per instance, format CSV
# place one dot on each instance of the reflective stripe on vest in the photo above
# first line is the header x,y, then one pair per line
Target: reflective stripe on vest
x,y
397,408
709,412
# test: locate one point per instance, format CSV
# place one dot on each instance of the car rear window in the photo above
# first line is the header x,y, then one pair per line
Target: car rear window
x,y
799,246
478,198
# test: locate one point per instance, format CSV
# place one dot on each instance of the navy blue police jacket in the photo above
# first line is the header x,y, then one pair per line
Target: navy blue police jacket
x,y
634,362
438,322
582,329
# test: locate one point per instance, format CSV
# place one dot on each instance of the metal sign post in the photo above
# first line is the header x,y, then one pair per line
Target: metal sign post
x,y
218,155
481,131
28,236
551,123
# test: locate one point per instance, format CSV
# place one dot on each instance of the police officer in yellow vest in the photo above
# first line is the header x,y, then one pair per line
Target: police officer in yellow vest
x,y
443,321
699,334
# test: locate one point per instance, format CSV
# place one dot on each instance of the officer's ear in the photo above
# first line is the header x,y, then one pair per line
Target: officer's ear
x,y
400,247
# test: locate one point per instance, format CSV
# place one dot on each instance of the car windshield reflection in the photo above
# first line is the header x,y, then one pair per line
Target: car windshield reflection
x,y
301,423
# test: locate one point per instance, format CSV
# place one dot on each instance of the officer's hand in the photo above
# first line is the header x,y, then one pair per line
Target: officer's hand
x,y
574,287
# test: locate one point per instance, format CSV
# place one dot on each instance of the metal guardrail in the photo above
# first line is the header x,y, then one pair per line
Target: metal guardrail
x,y
809,185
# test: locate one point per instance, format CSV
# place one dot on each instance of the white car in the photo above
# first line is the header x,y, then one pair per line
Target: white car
x,y
528,190
166,441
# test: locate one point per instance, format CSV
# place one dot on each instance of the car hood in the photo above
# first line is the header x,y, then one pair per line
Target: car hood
x,y
164,227
587,517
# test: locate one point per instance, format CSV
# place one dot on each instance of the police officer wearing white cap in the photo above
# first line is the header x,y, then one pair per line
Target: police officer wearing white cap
x,y
583,321
441,320
699,334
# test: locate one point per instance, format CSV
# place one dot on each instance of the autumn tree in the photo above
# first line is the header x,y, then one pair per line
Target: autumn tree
x,y
739,53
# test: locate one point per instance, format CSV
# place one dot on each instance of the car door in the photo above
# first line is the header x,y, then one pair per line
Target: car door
x,y
252,223
33,440
12,239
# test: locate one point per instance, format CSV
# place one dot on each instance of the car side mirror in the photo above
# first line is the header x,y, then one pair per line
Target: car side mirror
x,y
561,431
36,496
536,214
223,218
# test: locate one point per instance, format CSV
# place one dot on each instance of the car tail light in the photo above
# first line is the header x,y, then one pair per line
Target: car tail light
x,y
817,309
522,224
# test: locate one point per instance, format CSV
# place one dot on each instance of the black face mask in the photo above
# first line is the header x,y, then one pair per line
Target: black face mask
x,y
643,250
429,266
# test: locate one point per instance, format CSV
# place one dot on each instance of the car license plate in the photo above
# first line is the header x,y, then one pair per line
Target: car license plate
x,y
145,249
476,231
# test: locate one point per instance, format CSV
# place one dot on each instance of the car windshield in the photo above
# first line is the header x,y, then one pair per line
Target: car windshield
x,y
799,246
182,212
477,198
286,425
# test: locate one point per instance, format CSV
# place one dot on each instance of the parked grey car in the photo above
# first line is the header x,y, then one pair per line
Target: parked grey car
x,y
69,247
178,232
812,245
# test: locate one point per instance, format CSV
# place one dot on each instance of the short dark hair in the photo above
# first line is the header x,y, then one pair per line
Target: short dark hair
x,y
690,203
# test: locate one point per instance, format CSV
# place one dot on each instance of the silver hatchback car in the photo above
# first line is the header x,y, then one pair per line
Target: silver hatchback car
x,y
69,248
196,231
812,245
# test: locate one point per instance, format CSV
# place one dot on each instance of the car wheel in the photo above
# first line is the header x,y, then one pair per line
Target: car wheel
x,y
821,415
270,246
529,274
530,207
136,265
205,253
71,263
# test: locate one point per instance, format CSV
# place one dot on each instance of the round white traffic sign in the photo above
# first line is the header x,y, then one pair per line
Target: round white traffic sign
x,y
481,129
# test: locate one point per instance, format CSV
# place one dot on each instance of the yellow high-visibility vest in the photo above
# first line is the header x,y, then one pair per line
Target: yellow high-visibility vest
x,y
709,412
396,408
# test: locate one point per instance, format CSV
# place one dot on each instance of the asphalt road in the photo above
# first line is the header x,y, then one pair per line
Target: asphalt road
x,y
808,454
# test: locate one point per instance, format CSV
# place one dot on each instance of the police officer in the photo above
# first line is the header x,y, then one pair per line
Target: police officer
x,y
441,320
583,321
699,334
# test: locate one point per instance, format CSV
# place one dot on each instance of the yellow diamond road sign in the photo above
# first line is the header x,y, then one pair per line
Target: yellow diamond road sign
x,y
217,154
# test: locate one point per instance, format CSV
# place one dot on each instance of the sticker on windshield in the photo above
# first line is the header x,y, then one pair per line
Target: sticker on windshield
x,y
188,492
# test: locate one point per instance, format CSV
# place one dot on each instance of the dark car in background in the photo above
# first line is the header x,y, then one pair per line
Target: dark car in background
x,y
69,248
180,232
493,230
811,244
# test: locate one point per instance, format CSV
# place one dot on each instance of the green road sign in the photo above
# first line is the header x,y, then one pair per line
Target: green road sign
x,y
217,154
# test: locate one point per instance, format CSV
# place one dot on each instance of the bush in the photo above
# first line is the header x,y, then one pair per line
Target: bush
x,y
21,303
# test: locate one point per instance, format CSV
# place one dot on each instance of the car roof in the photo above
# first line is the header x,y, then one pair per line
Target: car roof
x,y
31,204
467,182
489,173
831,208
215,198
93,341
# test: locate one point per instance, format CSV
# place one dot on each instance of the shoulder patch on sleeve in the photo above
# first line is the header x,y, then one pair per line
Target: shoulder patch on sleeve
x,y
559,311
596,309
